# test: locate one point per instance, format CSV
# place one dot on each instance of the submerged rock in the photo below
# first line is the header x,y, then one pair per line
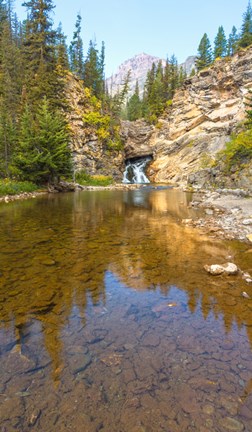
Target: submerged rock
x,y
231,424
216,269
249,237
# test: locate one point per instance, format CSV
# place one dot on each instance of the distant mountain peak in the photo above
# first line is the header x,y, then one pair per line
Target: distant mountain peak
x,y
139,65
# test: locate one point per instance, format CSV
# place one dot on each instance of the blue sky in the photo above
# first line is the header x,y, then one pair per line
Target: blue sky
x,y
156,27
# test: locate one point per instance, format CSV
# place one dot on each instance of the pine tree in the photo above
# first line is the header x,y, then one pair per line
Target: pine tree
x,y
39,53
42,154
148,97
232,42
220,43
8,137
101,68
115,103
3,14
76,50
204,58
157,96
10,90
40,38
134,105
246,30
25,160
174,75
61,49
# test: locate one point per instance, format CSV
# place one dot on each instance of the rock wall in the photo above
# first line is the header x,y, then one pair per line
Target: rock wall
x,y
137,137
89,153
204,114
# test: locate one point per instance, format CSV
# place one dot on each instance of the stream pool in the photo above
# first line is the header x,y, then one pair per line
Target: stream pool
x,y
109,322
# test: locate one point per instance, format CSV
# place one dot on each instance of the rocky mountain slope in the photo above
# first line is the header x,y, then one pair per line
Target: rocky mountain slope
x,y
139,65
205,111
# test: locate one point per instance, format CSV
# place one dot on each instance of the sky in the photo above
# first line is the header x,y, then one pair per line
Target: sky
x,y
156,27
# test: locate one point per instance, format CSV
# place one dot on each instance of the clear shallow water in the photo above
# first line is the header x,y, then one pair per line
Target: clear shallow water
x,y
108,321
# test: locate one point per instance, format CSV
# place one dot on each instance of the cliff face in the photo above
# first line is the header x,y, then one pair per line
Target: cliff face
x,y
204,114
90,153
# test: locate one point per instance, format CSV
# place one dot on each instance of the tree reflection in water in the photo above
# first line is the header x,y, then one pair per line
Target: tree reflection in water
x,y
104,301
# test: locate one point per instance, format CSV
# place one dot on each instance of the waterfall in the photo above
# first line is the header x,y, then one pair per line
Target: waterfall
x,y
135,170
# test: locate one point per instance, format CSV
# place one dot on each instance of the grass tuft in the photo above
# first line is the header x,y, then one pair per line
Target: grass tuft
x,y
12,187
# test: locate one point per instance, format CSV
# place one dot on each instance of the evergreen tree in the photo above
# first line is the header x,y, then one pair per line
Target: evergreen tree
x,y
61,49
156,105
166,80
76,50
8,137
148,97
3,14
134,105
246,30
94,69
115,103
232,42
204,58
42,154
10,91
40,38
174,75
101,67
220,43
39,53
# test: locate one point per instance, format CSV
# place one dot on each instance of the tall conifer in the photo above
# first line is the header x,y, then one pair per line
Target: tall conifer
x,y
204,57
39,53
220,43
232,44
246,30
76,50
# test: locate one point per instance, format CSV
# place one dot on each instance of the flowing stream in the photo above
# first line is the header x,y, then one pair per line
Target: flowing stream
x,y
109,322
135,170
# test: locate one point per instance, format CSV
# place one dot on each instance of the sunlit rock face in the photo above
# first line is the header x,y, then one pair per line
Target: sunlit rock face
x,y
90,153
205,111
137,138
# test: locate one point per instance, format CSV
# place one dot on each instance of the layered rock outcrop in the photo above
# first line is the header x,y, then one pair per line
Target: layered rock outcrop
x,y
205,111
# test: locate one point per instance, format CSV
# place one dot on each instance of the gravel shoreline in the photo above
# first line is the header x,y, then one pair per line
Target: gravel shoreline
x,y
228,214
72,188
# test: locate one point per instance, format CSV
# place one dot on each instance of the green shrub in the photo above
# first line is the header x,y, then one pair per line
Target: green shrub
x,y
11,187
238,150
206,160
96,180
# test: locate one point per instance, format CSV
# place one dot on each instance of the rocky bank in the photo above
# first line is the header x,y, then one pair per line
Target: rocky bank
x,y
227,214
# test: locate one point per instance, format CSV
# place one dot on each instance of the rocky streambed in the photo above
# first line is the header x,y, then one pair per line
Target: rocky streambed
x,y
227,213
